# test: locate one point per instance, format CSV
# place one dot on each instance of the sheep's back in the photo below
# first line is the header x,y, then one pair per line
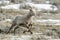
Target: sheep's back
x,y
20,19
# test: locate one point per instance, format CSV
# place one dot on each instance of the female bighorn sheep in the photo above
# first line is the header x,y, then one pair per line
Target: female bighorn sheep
x,y
24,21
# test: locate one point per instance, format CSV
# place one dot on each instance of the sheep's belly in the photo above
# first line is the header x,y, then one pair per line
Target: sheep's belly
x,y
20,21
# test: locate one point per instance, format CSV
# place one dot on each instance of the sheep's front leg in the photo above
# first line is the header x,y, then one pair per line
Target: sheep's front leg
x,y
30,24
29,27
30,31
24,25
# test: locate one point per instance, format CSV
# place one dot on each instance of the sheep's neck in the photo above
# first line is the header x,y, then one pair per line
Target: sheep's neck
x,y
28,16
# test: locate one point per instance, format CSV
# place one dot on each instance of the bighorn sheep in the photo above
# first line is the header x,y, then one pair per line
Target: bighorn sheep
x,y
24,21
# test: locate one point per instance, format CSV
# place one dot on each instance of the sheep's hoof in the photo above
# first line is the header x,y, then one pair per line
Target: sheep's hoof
x,y
14,33
1,31
28,31
24,31
31,32
7,32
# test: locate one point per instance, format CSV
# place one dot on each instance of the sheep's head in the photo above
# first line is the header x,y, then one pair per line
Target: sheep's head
x,y
32,12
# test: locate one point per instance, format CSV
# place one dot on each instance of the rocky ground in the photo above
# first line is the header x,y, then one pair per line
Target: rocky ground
x,y
41,30
46,26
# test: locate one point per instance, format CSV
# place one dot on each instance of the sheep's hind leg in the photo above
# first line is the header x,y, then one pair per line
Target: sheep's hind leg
x,y
15,29
11,28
